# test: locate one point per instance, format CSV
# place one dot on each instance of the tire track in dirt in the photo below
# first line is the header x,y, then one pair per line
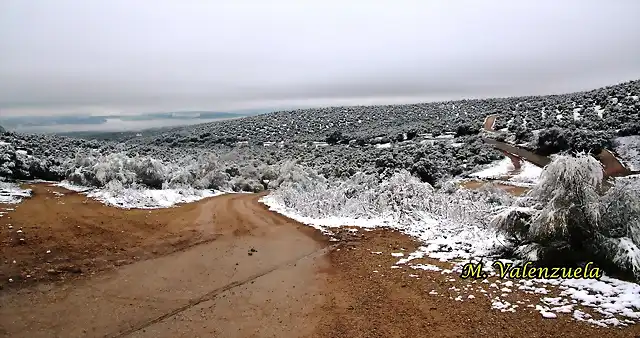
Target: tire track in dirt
x,y
251,245
216,292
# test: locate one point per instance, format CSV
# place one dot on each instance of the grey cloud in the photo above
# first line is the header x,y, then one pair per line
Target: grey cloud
x,y
67,55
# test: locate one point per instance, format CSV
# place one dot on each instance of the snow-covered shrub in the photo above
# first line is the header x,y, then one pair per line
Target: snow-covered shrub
x,y
402,198
567,197
620,225
150,172
243,184
569,217
213,180
20,163
94,169
7,159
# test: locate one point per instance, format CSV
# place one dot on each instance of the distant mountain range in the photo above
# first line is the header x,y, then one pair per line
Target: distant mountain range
x,y
62,124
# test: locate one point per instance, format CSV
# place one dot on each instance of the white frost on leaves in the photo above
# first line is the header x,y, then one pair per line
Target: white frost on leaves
x,y
628,148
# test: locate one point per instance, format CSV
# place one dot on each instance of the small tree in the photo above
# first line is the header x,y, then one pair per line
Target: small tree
x,y
568,218
334,137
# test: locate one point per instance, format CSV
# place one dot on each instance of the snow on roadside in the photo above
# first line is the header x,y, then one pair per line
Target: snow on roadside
x,y
528,175
149,198
72,187
11,193
440,234
141,198
616,303
323,224
498,169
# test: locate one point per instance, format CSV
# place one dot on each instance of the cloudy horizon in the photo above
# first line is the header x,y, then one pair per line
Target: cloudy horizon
x,y
122,57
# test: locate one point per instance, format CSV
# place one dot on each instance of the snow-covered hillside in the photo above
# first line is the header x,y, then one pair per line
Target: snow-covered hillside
x,y
434,141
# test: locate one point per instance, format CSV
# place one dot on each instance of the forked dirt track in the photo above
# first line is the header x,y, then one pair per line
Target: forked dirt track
x,y
225,267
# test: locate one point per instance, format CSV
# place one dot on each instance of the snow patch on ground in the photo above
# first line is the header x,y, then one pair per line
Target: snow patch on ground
x,y
383,145
324,224
496,170
11,193
609,297
72,187
529,173
142,198
149,198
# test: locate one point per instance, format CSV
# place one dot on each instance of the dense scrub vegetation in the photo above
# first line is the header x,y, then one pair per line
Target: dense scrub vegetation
x,y
432,141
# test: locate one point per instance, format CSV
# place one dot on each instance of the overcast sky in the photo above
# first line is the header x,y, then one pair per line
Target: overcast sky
x,y
124,56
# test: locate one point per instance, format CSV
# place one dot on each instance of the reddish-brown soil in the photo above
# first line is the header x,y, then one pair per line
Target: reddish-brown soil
x,y
390,303
228,267
69,235
512,189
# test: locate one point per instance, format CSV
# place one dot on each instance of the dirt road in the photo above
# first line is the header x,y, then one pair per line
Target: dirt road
x,y
260,269
242,271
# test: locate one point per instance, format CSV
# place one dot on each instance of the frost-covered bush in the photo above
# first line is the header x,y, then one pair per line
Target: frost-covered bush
x,y
204,171
619,225
18,163
93,169
402,198
570,217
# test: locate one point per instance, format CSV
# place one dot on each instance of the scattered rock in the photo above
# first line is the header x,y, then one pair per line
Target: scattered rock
x,y
73,269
